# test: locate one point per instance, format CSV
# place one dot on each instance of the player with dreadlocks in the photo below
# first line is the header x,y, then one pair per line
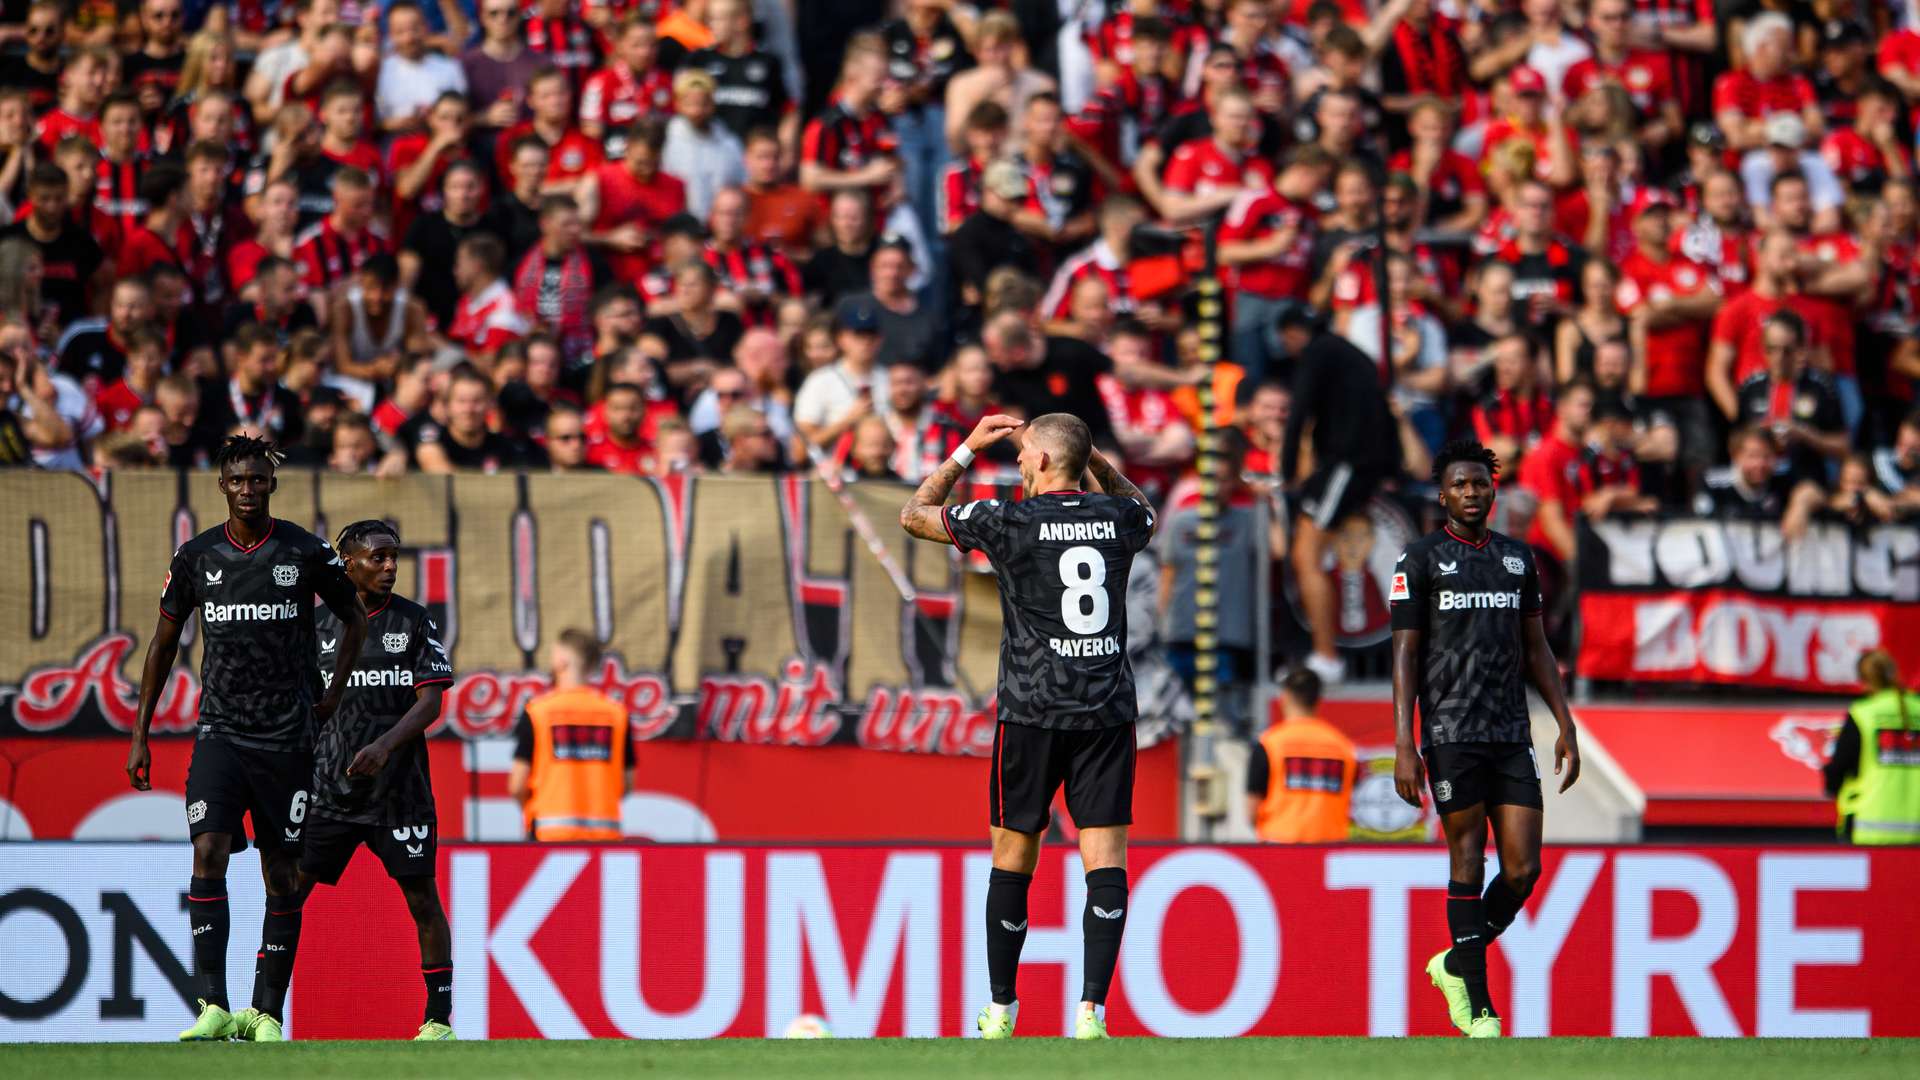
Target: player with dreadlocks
x,y
252,580
370,779
1466,641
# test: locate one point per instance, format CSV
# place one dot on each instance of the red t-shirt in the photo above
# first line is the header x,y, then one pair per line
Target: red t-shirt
x,y
59,123
569,159
1501,131
1647,77
1547,473
1739,323
1740,92
1834,315
142,250
1201,166
1676,354
116,404
625,200
1259,217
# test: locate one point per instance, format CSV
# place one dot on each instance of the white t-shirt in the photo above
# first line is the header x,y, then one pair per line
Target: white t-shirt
x,y
75,406
410,86
829,392
1552,61
275,64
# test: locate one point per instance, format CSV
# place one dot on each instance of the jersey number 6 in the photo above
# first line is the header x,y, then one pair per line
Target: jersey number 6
x,y
1083,576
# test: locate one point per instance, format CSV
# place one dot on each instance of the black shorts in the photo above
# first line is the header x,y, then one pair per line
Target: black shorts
x,y
1030,764
1336,492
405,850
1468,774
225,781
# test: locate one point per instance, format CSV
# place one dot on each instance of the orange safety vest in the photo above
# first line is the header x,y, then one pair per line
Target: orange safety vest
x,y
579,765
1311,767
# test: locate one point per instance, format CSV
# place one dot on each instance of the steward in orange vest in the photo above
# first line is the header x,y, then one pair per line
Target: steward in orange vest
x,y
1300,778
570,756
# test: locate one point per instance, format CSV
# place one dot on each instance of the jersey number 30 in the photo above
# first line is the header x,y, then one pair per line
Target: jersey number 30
x,y
1083,577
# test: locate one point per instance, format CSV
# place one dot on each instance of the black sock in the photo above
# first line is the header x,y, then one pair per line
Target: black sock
x,y
1006,930
279,941
207,915
1502,904
439,992
1468,957
1103,922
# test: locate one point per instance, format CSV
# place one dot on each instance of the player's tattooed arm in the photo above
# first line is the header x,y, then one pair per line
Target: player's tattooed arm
x,y
1544,671
162,650
1107,479
921,516
1407,779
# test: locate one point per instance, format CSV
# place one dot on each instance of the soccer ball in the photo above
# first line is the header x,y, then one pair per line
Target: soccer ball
x,y
807,1026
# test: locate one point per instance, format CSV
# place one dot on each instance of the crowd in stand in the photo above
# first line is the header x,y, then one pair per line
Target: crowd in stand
x,y
1656,253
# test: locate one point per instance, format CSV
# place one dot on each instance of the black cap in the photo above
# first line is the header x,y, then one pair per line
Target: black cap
x,y
1705,134
1843,32
1296,314
324,395
1612,405
895,241
858,314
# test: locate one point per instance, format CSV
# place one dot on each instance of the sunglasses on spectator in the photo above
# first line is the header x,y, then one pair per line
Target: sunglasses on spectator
x,y
565,436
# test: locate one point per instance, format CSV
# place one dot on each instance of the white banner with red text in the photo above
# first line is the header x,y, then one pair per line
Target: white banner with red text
x,y
1729,602
702,941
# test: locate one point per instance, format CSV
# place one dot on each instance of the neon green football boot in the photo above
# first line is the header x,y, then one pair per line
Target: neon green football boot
x,y
997,1023
1088,1024
434,1031
1454,988
1484,1026
214,1023
252,1025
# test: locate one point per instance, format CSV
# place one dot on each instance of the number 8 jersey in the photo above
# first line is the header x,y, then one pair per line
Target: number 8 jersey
x,y
1062,560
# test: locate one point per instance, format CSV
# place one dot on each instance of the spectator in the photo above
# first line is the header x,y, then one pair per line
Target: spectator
x,y
690,343
515,214
487,316
1867,151
570,153
843,267
419,160
676,450
619,446
558,276
565,440
72,262
529,396
1301,773
563,39
1417,352
1607,479
1796,403
850,147
749,82
354,451
499,69
786,216
925,49
834,398
276,304
750,445
988,239
146,363
908,329
465,443
1786,158
93,352
1205,176
184,438
1897,467
434,237
1107,258
206,105
1059,213
730,386
1516,413
1547,475
751,274
1596,320
631,88
412,78
251,396
330,251
373,322
628,202
1147,423
83,87
37,69
266,84
1735,352
701,152
1754,488
917,445
870,451
51,412
1743,100
1002,76
275,216
959,192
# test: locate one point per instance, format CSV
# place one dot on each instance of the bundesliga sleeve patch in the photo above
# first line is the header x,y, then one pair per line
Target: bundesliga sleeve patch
x,y
1400,588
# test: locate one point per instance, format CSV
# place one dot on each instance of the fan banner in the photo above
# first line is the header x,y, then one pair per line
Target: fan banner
x,y
698,941
731,609
1702,601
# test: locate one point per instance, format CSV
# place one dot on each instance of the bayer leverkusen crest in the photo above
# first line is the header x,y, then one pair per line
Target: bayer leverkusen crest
x,y
285,575
394,642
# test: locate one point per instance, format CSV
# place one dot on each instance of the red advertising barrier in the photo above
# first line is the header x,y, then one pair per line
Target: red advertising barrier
x,y
76,788
1748,767
699,941
695,942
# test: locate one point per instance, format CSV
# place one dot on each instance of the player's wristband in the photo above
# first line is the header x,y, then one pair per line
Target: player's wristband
x,y
963,454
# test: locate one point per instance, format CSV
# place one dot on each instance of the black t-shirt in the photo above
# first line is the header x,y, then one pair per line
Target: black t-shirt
x,y
495,452
257,679
909,338
515,223
984,243
833,273
1062,560
1811,400
401,655
88,353
749,91
312,179
435,239
1063,382
42,87
68,264
1470,602
684,344
943,55
1721,496
276,412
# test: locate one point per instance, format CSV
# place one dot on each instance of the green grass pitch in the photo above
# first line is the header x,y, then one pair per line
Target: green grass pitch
x,y
1042,1059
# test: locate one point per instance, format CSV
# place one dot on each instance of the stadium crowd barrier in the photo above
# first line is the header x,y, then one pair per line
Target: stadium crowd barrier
x,y
699,941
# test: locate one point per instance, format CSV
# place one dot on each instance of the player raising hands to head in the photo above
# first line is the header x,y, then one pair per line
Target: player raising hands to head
x,y
1066,697
1466,641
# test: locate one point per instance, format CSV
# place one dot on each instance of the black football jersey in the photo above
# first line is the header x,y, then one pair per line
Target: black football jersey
x,y
402,653
749,91
1062,561
257,685
1469,602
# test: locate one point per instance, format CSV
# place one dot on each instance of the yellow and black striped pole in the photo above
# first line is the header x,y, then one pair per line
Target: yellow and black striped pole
x,y
1209,799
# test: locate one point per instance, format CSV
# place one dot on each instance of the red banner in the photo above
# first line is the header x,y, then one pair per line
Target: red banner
x,y
61,788
1746,767
1738,637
